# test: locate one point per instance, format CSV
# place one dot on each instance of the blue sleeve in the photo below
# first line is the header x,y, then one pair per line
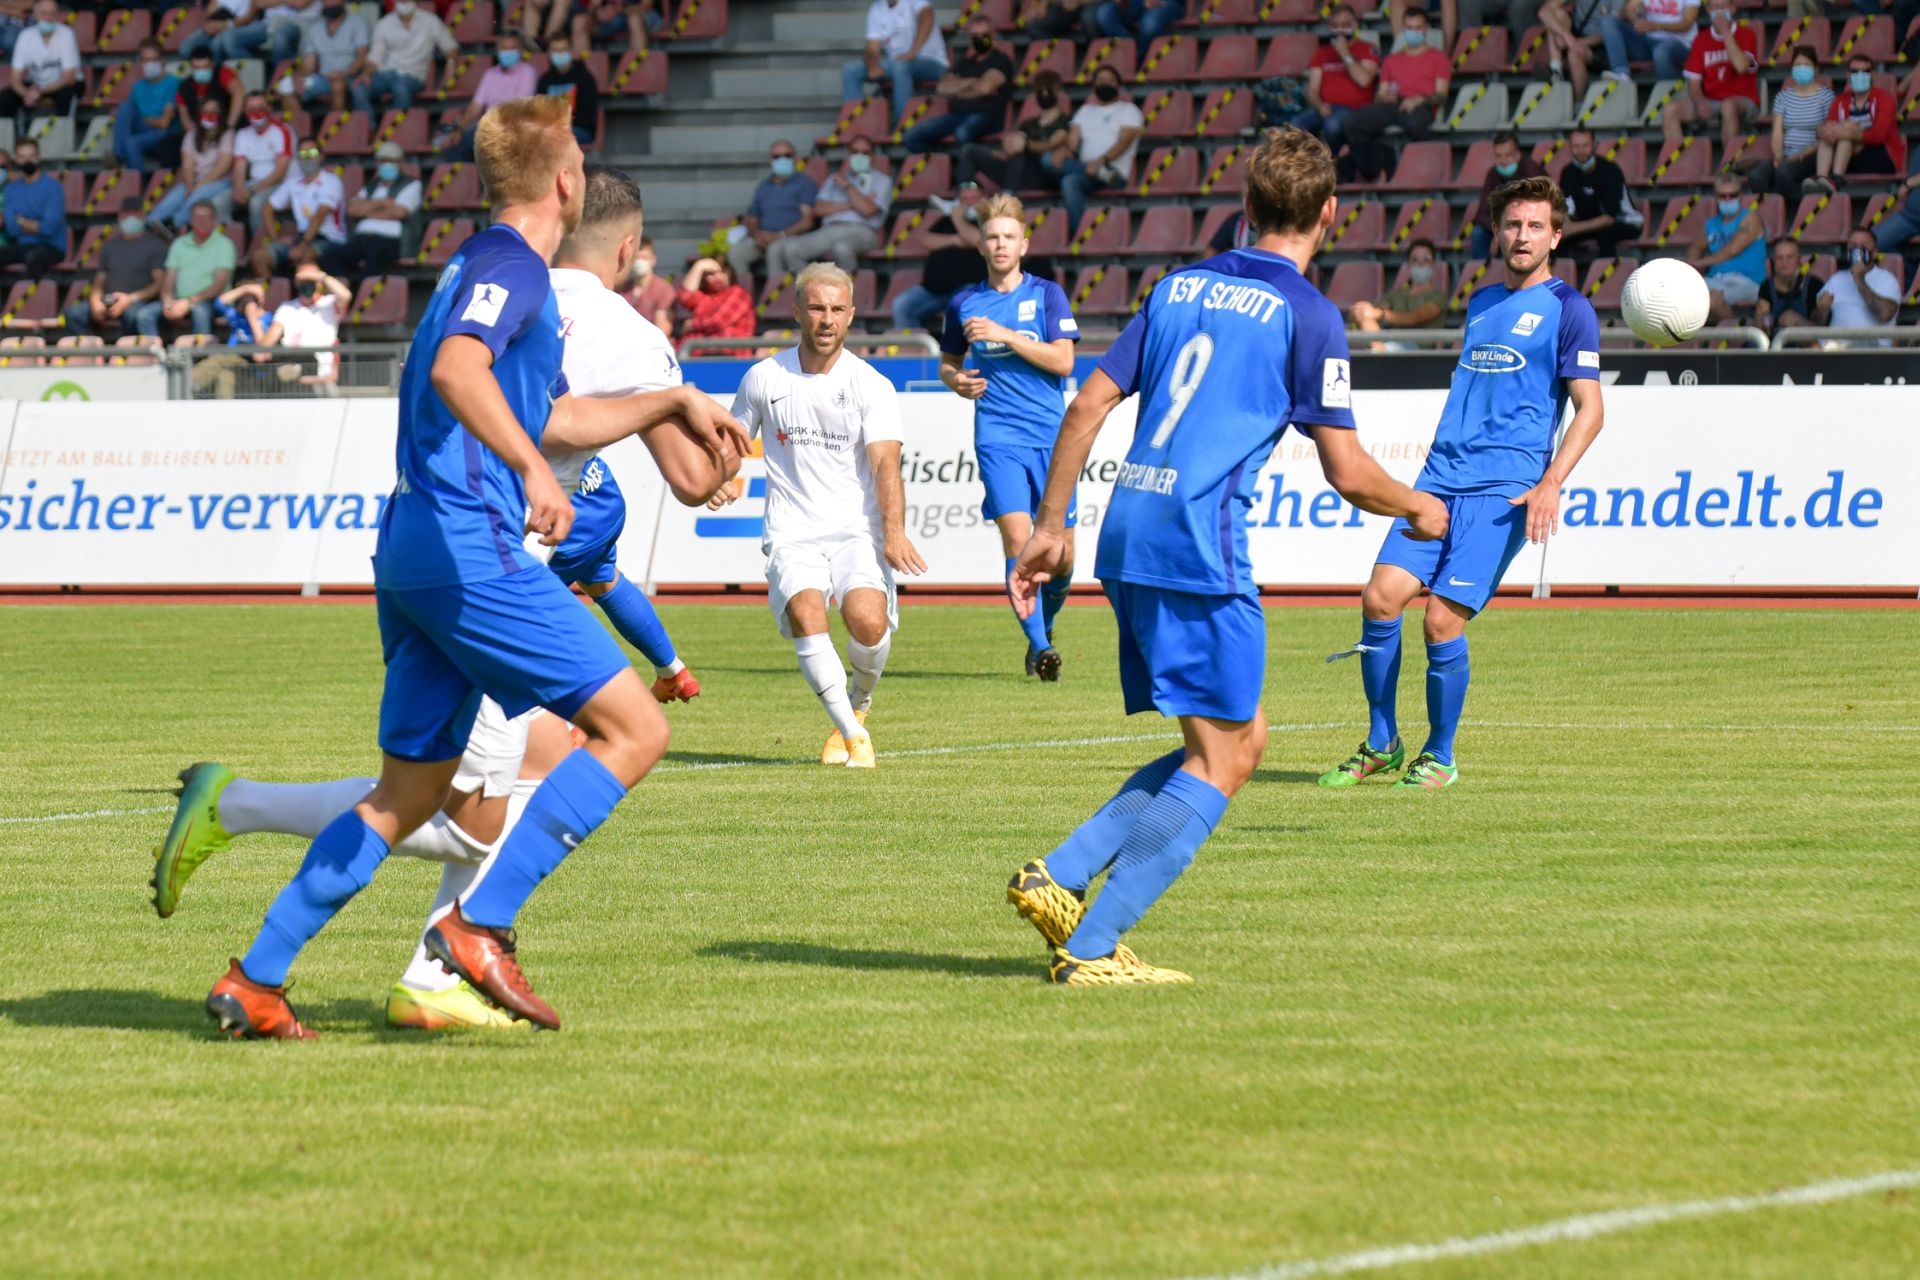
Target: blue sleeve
x,y
53,225
809,190
953,341
1579,340
1059,314
498,296
1319,370
1122,361
755,209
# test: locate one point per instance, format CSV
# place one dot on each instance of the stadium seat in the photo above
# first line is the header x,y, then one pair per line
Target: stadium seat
x,y
1046,55
642,73
1170,171
1169,113
1234,58
1288,55
1478,108
352,177
865,118
1605,279
1353,282
56,136
700,20
1225,114
1870,36
866,291
452,186
109,189
382,300
73,186
1220,13
1655,101
1423,166
1567,272
1289,13
22,349
918,109
1815,33
1530,53
776,297
1877,210
1473,276
85,24
81,349
1544,106
1822,219
1047,232
346,133
1106,52
898,282
406,130
441,238
1686,163
471,21
175,26
1107,229
1166,230
131,349
1358,227
1100,291
1144,285
924,176
1171,59
31,303
88,256
110,87
1631,155
123,31
459,78
1473,169
998,12
1226,172
1609,104
1747,151
904,240
1210,223
1480,51
1678,225
1426,218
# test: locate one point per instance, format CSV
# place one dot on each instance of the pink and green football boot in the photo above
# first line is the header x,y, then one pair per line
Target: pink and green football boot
x,y
1427,774
1364,764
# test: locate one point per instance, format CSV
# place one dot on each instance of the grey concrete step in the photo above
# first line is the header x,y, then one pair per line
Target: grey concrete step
x,y
846,24
687,139
821,83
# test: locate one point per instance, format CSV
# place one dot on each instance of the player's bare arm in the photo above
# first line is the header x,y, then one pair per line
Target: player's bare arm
x,y
1055,357
883,456
597,422
1351,470
463,376
1049,549
694,472
969,384
1543,500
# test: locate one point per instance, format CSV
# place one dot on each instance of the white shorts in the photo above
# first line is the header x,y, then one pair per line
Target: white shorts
x,y
833,567
1738,290
491,762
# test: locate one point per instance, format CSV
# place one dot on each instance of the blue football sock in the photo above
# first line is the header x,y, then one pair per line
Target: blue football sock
x,y
1447,672
1163,841
633,617
577,797
1035,624
1380,677
340,862
1090,849
1053,598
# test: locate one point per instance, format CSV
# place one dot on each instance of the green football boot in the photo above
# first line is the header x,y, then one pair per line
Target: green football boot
x,y
195,836
1428,774
1363,764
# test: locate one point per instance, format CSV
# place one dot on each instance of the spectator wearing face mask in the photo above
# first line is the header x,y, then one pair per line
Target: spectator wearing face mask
x,y
1732,249
1509,163
1600,213
1013,159
780,207
1862,133
977,90
1144,20
1420,303
379,212
1341,78
852,211
1789,295
310,320
46,66
567,77
400,59
262,154
146,128
205,85
511,76
255,31
1413,87
651,294
1864,296
36,214
953,262
333,54
1723,80
1799,111
718,307
206,171
124,293
1102,143
316,198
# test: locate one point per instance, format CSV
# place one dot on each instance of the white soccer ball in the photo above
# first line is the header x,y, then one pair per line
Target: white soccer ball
x,y
1665,302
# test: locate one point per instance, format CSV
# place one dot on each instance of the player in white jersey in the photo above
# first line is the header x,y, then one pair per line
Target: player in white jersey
x,y
829,425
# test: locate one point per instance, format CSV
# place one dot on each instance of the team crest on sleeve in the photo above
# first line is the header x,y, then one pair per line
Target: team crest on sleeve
x,y
1527,324
1336,385
486,304
1069,325
1028,308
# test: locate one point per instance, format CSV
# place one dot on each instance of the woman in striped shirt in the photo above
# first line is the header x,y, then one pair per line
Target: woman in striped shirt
x,y
1798,112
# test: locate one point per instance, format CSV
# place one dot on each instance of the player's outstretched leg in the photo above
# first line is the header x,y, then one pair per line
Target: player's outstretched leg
x,y
195,835
869,643
635,618
1387,594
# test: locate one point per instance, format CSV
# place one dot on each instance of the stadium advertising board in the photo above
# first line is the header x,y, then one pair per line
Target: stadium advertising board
x,y
1707,486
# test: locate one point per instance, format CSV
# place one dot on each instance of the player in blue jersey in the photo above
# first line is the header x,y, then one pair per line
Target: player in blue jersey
x,y
464,609
1532,345
1018,333
1224,355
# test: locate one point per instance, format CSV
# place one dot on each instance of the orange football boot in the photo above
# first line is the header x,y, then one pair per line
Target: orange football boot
x,y
484,957
247,1010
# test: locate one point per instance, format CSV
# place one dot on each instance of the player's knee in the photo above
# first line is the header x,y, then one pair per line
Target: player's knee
x,y
398,811
1443,625
598,589
1378,604
629,746
868,630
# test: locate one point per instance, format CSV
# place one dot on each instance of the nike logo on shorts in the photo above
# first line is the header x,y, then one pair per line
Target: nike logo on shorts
x,y
1455,582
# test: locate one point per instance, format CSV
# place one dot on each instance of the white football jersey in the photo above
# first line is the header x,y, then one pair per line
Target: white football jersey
x,y
611,350
814,430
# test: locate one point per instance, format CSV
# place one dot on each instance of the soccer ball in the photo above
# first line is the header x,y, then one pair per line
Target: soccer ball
x,y
1665,302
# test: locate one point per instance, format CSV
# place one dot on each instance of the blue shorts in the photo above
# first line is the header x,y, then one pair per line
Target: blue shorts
x,y
1485,532
1016,478
1190,655
591,549
521,639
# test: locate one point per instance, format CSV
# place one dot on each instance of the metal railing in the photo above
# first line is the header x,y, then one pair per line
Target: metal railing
x,y
1806,335
913,343
283,373
1610,335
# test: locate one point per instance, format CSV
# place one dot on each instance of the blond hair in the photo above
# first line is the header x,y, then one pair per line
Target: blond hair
x,y
520,147
814,273
1003,205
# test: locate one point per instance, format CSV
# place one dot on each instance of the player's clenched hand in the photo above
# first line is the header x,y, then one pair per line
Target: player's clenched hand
x,y
717,428
1038,561
981,329
1543,509
903,555
728,492
1428,523
549,513
969,383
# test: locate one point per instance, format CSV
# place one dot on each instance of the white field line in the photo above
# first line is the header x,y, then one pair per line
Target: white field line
x,y
1584,1227
983,748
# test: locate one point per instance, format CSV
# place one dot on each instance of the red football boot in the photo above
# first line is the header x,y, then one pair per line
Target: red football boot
x,y
247,1010
484,957
678,687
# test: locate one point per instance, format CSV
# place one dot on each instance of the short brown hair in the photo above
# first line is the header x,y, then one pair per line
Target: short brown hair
x,y
1290,178
520,146
1003,204
1526,191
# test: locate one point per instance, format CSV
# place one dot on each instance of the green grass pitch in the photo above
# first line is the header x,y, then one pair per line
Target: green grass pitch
x,y
1660,945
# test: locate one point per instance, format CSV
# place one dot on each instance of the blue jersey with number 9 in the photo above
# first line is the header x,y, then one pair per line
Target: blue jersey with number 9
x,y
1225,354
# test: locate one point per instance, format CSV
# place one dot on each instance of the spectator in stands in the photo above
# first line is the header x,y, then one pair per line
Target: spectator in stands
x,y
36,214
250,28
218,17
1420,303
903,46
1144,20
310,319
1232,233
333,54
1790,294
1013,159
651,294
511,76
46,66
1657,31
1600,211
977,90
1343,76
14,17
380,212
206,171
1449,28
244,307
147,125
1102,142
1723,79
953,262
125,291
851,209
1898,228
606,20
719,306
567,76
262,153
317,200
199,265
1413,87
1520,14
1732,249
1862,133
205,83
1509,163
1864,296
1799,111
1573,38
400,60
779,208
1060,20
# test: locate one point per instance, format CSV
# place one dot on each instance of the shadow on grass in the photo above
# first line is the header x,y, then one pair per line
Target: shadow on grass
x,y
727,758
892,673
1284,775
121,1010
763,952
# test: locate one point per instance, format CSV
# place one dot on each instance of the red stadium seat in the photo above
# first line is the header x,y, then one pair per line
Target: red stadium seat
x,y
1747,151
156,188
1631,155
1531,53
1423,166
1216,214
1225,114
31,303
452,186
1822,219
1169,171
1288,55
1106,229
471,21
443,236
111,87
81,349
904,240
1288,13
918,109
1144,285
898,283
1166,230
1815,33
88,257
1106,52
998,12
123,31
1353,282
352,177
1773,216
1678,225
1870,36
1686,163
1423,219
700,20
1171,59
1473,276
1100,291
1480,51
924,176
1877,210
642,73
1473,169
1225,174
406,129
1567,272
85,24
73,186
1231,58
866,291
175,26
1358,227
1046,232
866,118
346,133
1169,113
1221,13
460,77
1605,279
109,189
1046,55
382,300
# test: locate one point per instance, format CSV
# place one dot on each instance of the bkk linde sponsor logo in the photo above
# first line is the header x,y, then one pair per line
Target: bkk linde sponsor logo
x,y
1492,357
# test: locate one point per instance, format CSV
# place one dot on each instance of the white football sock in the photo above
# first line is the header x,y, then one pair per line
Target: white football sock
x,y
290,808
867,666
672,669
820,664
441,840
